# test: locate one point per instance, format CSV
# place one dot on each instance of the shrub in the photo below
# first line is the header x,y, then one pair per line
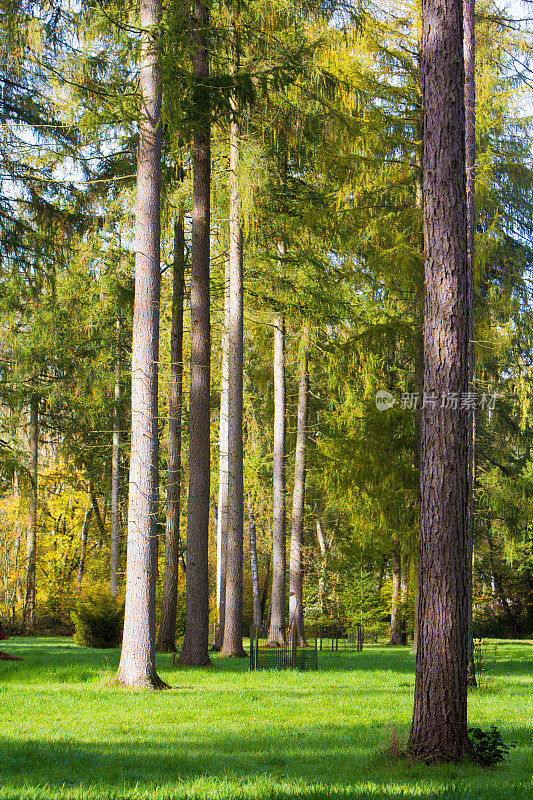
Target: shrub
x,y
98,619
489,746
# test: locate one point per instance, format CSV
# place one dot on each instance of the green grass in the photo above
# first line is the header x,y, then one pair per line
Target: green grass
x,y
226,733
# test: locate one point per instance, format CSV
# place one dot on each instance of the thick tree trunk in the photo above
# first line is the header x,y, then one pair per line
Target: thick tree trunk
x,y
395,617
416,626
232,645
439,727
166,640
256,599
28,609
115,474
296,610
276,633
195,650
137,660
222,525
84,535
469,46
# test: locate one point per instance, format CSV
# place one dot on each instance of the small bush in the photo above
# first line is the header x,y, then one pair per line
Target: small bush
x,y
98,619
489,746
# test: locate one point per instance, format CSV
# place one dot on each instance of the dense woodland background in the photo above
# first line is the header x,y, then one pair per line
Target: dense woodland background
x,y
329,111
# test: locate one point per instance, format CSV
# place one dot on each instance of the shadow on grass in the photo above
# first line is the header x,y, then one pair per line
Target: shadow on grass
x,y
275,763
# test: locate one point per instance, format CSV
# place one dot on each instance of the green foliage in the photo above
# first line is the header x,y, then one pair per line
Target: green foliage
x,y
489,746
99,618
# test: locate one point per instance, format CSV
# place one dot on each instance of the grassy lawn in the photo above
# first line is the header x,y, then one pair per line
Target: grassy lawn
x,y
226,733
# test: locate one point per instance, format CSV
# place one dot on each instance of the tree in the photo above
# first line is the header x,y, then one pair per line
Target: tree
x,y
195,645
439,727
115,474
28,612
166,640
276,633
223,476
232,644
296,609
137,660
469,46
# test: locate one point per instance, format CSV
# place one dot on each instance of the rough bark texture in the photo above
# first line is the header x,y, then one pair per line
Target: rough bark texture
x,y
256,599
469,46
166,639
137,660
195,650
28,608
232,645
439,727
276,633
115,475
296,609
222,525
395,617
84,535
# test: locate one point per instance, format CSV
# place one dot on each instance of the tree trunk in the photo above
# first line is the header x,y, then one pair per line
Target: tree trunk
x,y
232,645
323,562
256,599
28,609
266,584
222,526
469,46
98,517
195,650
115,474
276,633
416,617
296,609
395,617
439,727
166,640
84,535
137,660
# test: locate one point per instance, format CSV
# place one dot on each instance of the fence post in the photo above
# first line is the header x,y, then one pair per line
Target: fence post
x,y
316,650
294,646
321,638
251,649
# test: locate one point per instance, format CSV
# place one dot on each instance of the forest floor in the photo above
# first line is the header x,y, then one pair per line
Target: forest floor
x,y
225,733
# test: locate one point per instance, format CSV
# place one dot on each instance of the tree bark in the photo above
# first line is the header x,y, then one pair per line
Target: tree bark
x,y
439,727
115,474
469,46
296,609
137,660
256,599
222,526
28,609
276,633
166,640
195,650
84,535
232,645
